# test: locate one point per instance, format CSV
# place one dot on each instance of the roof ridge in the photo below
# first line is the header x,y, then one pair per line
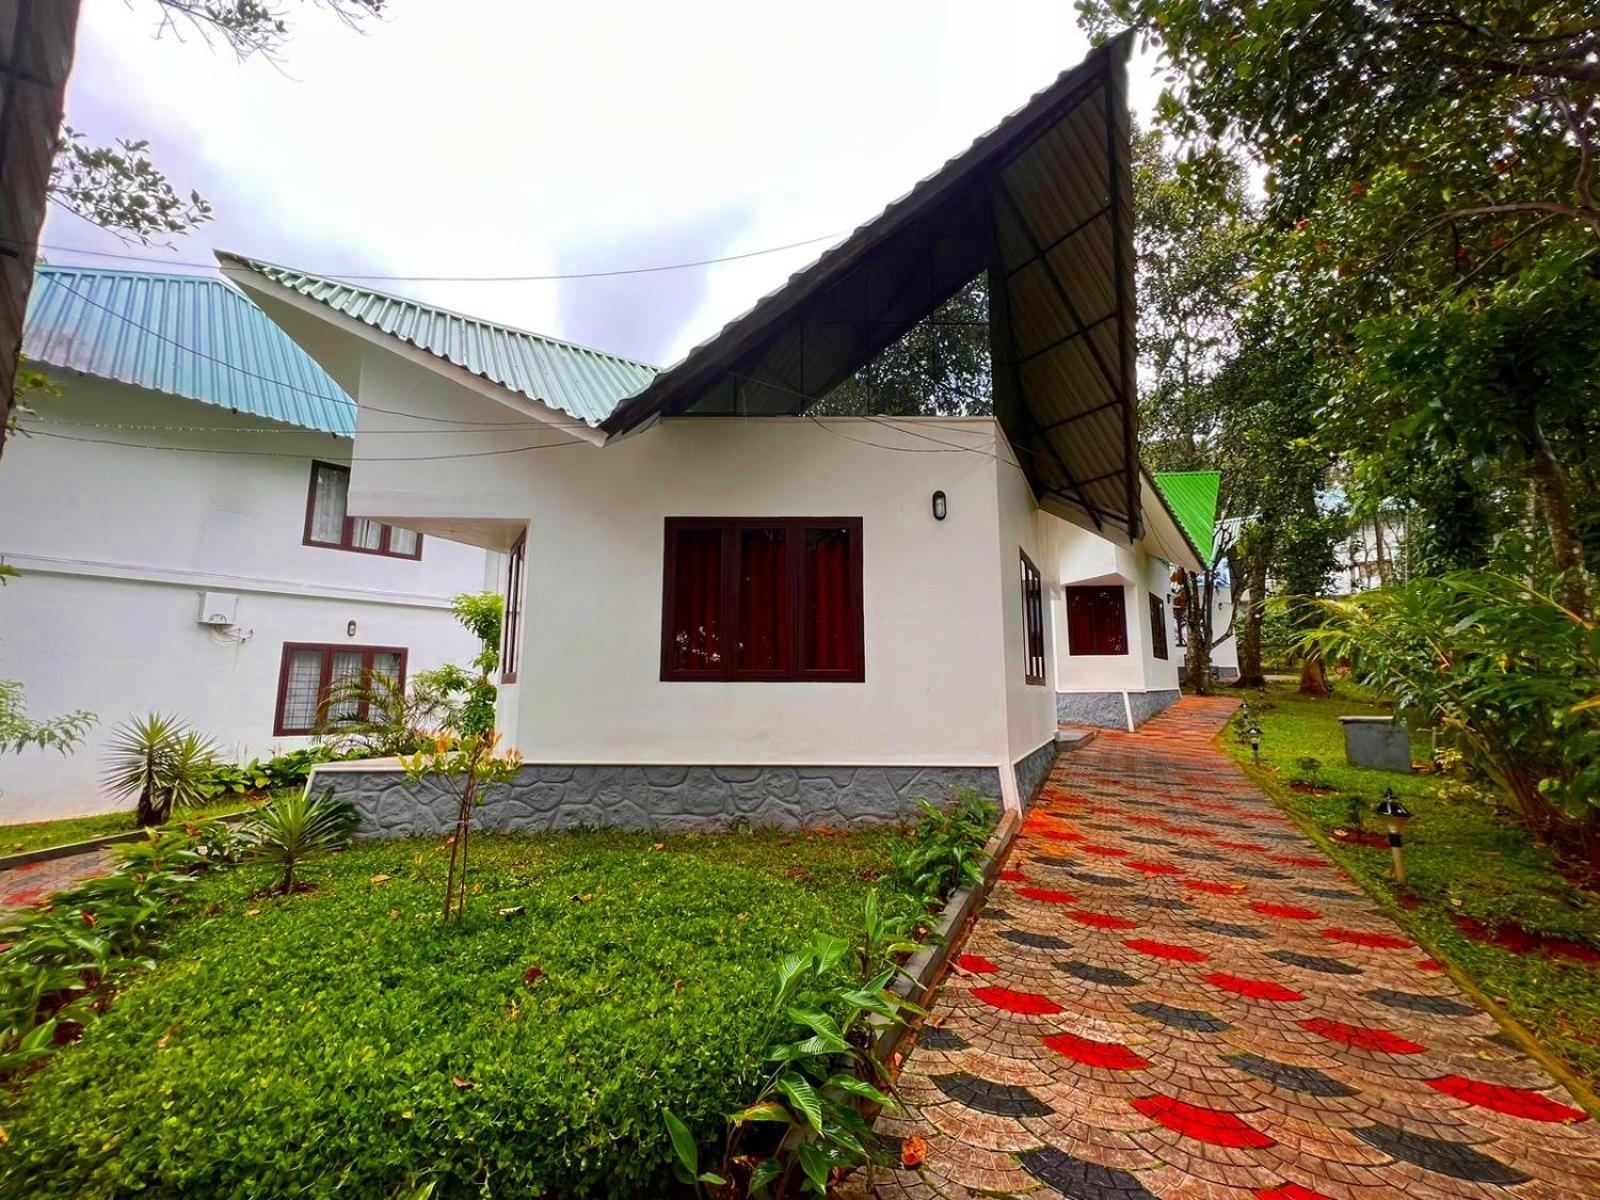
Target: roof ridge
x,y
256,264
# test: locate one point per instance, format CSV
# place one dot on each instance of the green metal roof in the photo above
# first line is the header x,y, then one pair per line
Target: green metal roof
x,y
1192,496
186,335
583,383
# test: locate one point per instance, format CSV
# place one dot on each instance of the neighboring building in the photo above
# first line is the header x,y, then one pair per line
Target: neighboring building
x,y
722,608
179,516
1193,496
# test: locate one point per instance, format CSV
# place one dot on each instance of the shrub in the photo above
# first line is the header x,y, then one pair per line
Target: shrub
x,y
1310,770
296,827
63,960
163,762
946,847
1506,671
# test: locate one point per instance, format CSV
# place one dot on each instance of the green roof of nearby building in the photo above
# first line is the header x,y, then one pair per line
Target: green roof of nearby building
x,y
583,383
1192,496
186,335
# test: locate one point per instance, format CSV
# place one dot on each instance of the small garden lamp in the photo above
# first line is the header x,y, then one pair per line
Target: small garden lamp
x,y
1255,742
1395,816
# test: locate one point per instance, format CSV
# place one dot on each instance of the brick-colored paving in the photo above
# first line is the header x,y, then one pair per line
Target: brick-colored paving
x,y
1173,993
32,882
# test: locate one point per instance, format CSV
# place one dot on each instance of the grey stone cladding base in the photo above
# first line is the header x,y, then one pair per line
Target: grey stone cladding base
x,y
1106,710
1103,710
1147,704
665,799
1032,768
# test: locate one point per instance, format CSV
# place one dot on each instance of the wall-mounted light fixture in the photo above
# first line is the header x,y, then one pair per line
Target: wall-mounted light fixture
x,y
941,506
350,629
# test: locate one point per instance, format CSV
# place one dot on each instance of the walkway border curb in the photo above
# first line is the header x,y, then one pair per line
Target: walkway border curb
x,y
23,858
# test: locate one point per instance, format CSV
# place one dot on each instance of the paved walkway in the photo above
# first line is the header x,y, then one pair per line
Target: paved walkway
x,y
32,882
1172,993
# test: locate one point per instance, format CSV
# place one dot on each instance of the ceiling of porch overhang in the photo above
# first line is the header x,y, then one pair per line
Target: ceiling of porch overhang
x,y
1042,204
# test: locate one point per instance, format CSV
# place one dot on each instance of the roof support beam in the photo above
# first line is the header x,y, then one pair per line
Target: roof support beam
x,y
1065,338
1078,416
1120,281
1066,237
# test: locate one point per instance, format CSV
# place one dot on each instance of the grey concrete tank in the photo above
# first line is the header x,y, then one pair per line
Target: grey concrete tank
x,y
1379,743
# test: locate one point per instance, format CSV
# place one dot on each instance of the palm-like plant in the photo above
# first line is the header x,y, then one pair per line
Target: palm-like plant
x,y
162,761
297,827
374,713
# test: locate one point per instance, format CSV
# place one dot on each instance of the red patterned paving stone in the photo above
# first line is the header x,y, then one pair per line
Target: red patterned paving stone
x,y
1085,1021
1156,949
1213,888
1099,920
1430,964
1362,1038
1204,1124
1029,1003
1110,1055
1047,895
1104,851
976,964
1152,868
1373,941
1254,989
1012,875
1287,912
1516,1102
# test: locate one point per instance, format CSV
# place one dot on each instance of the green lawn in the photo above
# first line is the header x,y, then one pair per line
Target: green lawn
x,y
345,1043
36,835
1462,860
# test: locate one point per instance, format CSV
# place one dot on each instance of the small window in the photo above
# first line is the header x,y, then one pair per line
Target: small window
x,y
1158,627
762,598
510,642
329,524
1097,621
1032,620
309,669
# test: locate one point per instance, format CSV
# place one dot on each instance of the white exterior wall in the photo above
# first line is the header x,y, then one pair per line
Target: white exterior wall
x,y
1030,708
1083,558
942,599
115,545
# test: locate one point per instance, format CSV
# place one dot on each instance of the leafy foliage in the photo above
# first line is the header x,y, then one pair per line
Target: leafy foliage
x,y
163,762
400,719
298,826
118,188
63,961
332,1031
1507,671
945,847
18,731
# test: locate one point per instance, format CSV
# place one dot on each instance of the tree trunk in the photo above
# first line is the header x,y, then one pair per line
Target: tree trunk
x,y
1255,608
146,814
1197,655
1555,502
1313,677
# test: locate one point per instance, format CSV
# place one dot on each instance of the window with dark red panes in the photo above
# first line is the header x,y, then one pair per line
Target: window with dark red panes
x,y
511,653
309,669
1032,620
749,598
1097,621
1158,627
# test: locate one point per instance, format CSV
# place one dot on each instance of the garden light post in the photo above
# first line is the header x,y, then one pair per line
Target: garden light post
x,y
1255,742
1395,815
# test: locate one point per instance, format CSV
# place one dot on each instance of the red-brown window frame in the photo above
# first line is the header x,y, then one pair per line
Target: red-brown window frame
x,y
329,649
511,644
794,543
1074,646
1032,621
1158,627
347,534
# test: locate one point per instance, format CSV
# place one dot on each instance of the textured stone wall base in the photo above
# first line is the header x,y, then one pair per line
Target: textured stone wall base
x,y
1032,769
665,799
1147,704
1103,710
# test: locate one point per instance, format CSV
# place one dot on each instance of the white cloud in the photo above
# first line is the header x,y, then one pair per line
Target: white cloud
x,y
497,136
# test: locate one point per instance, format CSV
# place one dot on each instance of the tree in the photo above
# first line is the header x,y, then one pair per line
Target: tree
x,y
18,731
1414,156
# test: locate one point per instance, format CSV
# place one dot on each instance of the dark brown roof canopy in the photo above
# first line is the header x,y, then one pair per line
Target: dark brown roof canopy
x,y
1042,203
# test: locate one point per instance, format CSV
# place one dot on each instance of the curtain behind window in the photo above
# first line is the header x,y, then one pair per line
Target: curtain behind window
x,y
329,494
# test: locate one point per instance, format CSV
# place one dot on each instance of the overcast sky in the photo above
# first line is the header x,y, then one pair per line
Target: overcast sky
x,y
506,137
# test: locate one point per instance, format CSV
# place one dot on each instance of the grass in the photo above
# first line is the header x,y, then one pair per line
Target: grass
x,y
36,835
1463,859
346,1043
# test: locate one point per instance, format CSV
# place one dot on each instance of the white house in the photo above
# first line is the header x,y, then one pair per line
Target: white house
x,y
179,516
722,607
